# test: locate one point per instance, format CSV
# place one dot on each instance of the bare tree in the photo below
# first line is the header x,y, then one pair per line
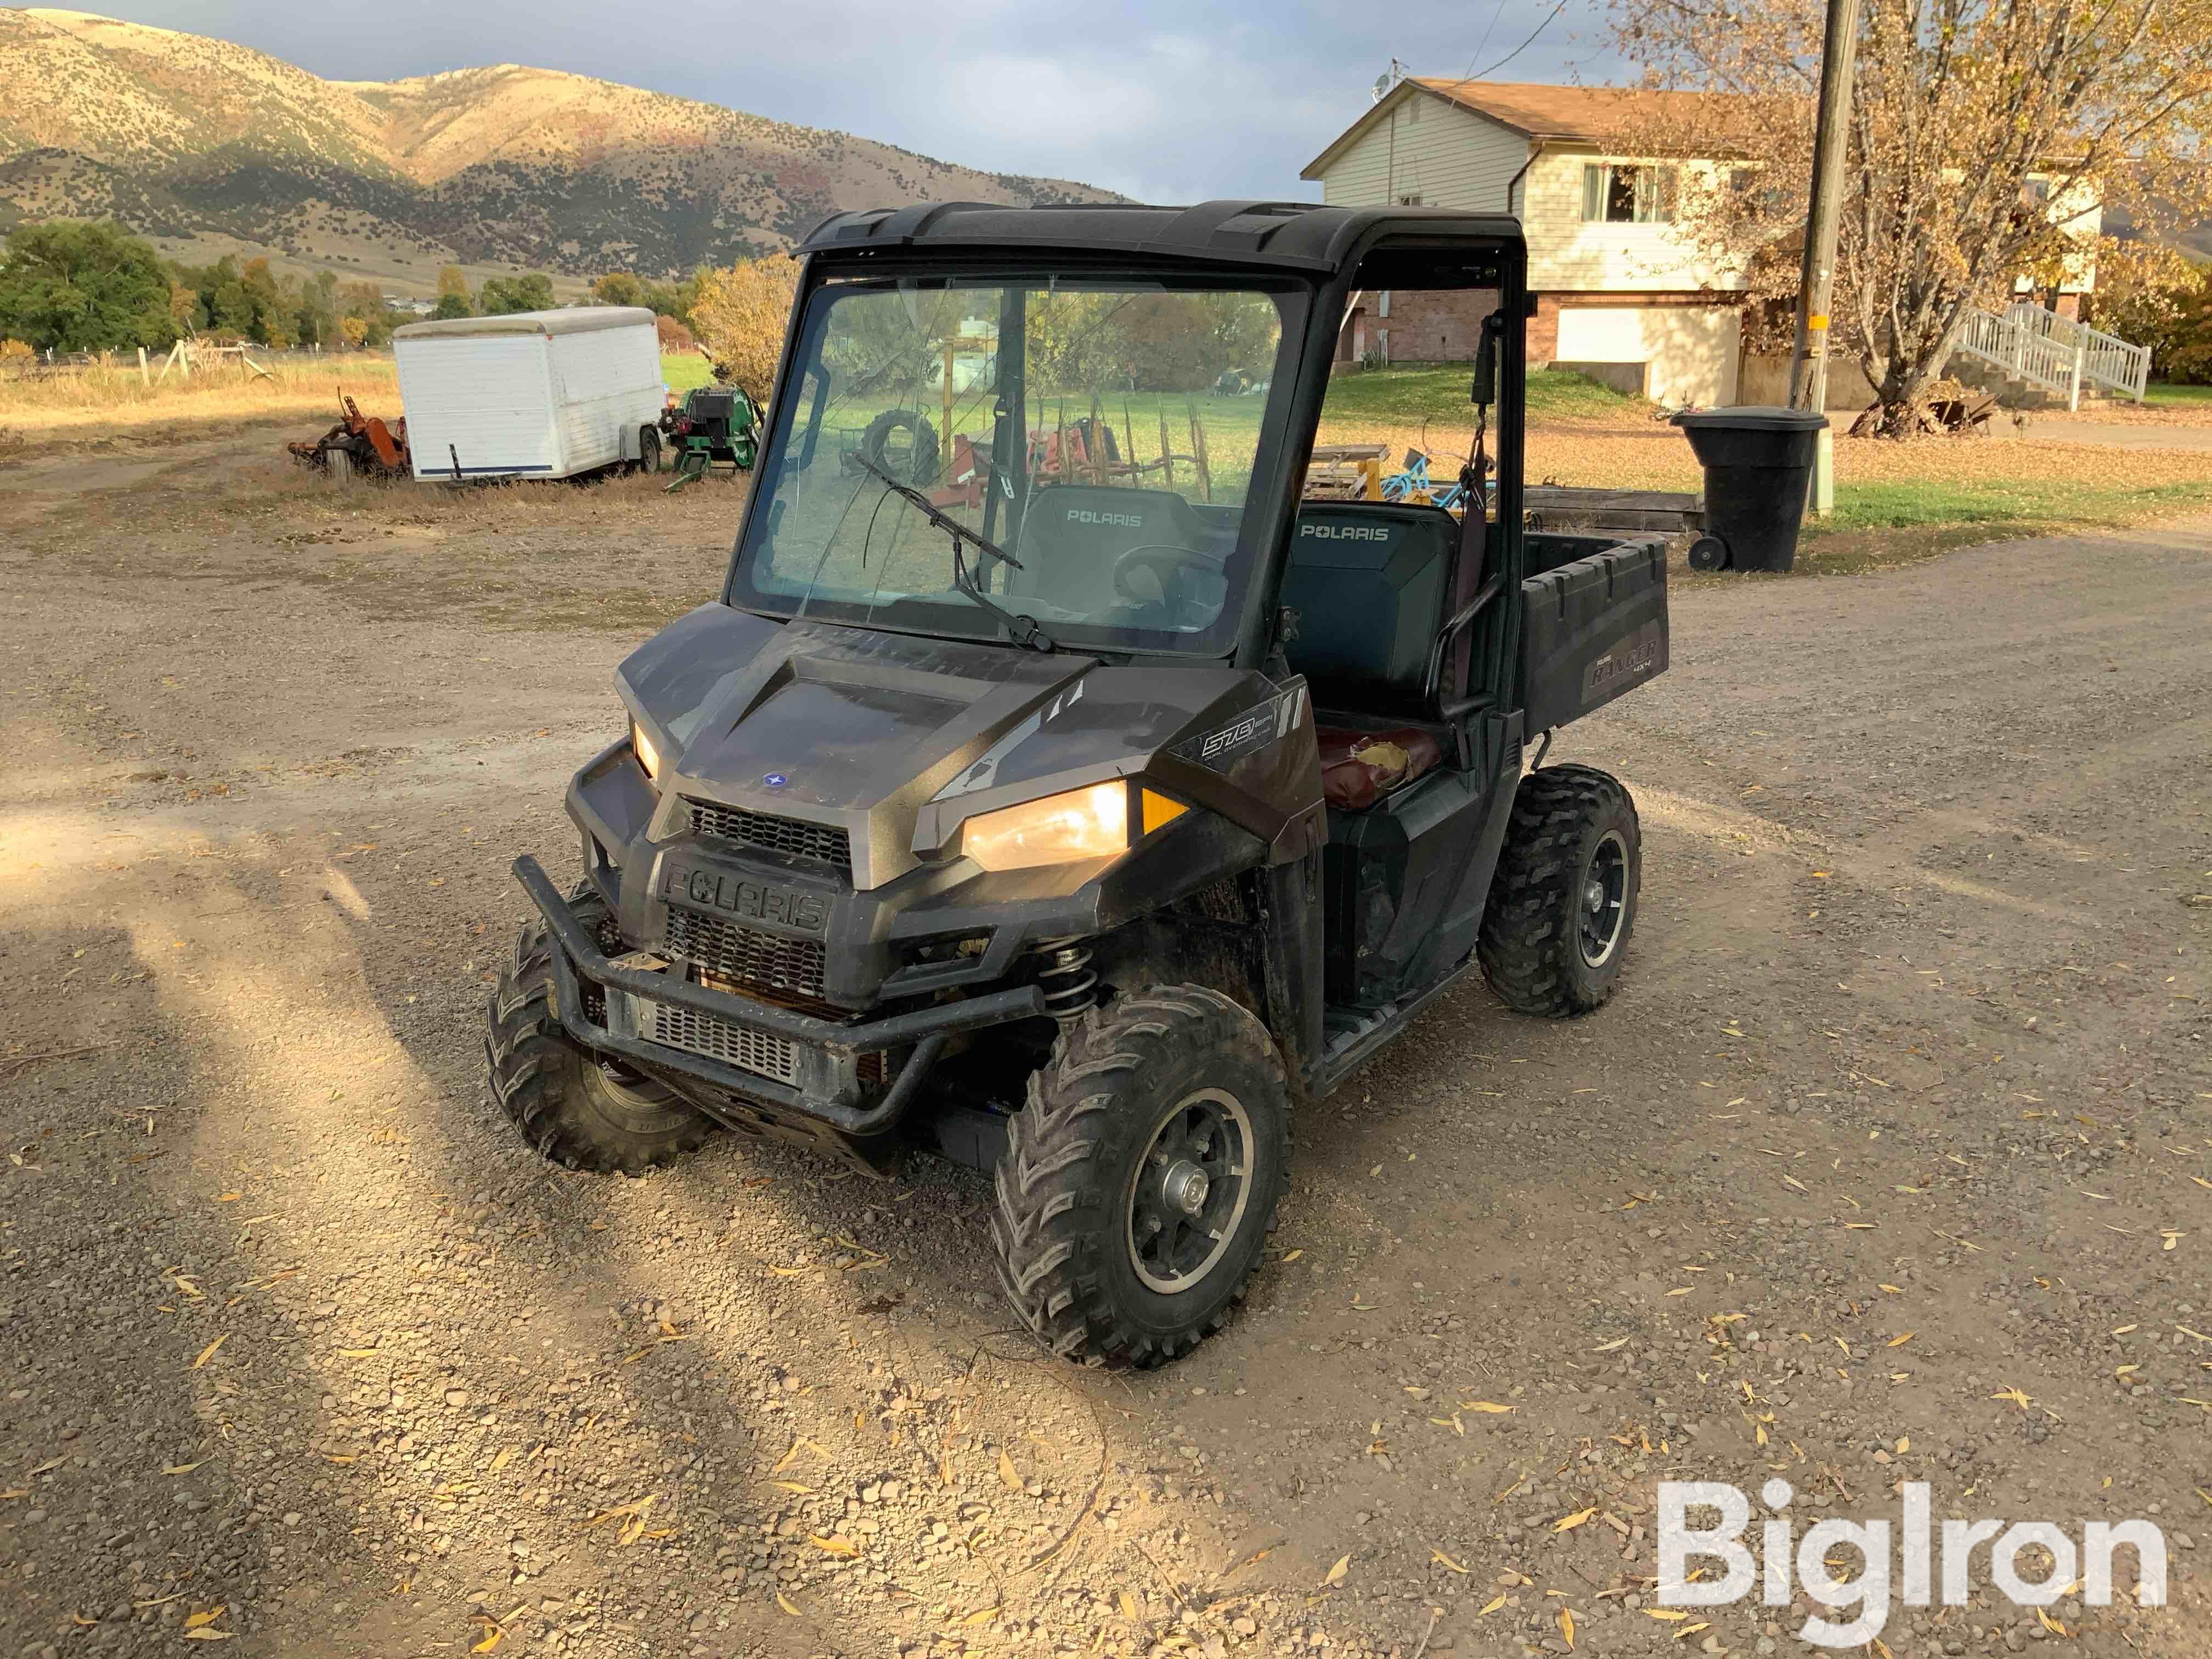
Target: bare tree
x,y
1984,135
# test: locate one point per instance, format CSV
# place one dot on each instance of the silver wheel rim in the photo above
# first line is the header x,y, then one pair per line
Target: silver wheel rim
x,y
1602,906
1186,1199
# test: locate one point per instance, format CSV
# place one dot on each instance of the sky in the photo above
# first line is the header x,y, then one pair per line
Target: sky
x,y
1169,101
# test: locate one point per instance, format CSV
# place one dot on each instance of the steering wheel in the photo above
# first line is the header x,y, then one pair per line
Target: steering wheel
x,y
1161,557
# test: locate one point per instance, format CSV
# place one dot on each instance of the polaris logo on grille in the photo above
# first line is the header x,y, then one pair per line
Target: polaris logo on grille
x,y
733,895
1345,533
1084,515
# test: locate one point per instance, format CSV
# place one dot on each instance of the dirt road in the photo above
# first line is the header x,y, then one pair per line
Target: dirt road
x,y
1892,1162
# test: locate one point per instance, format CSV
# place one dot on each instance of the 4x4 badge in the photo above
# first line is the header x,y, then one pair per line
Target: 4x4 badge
x,y
775,779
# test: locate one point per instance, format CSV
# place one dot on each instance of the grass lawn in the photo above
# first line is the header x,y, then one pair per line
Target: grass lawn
x,y
683,370
1410,395
2159,394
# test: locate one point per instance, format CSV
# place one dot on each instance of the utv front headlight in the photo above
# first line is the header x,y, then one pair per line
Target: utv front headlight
x,y
647,756
1082,823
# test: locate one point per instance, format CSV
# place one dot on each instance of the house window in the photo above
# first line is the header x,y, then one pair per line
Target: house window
x,y
1414,200
2036,190
1622,194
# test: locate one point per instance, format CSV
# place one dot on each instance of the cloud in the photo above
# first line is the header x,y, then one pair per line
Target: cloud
x,y
1162,100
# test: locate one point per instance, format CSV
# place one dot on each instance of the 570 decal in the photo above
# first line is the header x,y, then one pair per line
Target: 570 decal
x,y
1246,733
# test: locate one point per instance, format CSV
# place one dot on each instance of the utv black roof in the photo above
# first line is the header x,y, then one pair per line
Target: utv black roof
x,y
1292,235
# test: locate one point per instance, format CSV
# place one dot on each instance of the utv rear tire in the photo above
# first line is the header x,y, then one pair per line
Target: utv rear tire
x,y
581,1109
1173,1094
1563,904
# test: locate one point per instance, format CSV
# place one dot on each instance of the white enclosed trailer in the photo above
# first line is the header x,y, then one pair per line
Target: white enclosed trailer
x,y
535,394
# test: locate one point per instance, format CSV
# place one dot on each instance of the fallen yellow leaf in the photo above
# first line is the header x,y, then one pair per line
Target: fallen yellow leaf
x,y
1438,1555
193,1621
1672,1615
1127,1603
1008,1475
840,1544
2015,1396
208,1352
1567,1627
1568,1523
1491,1607
1483,1406
784,1602
182,1469
1336,1573
1899,1341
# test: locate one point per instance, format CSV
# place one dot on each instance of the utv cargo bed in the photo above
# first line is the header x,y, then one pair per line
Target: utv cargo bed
x,y
1593,627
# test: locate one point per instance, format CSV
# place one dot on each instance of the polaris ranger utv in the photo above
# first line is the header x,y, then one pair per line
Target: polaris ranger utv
x,y
1076,809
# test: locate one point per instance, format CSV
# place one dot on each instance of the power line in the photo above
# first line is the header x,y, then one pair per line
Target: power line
x,y
1524,45
1497,13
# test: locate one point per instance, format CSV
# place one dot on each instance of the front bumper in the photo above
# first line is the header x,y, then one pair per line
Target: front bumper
x,y
825,1087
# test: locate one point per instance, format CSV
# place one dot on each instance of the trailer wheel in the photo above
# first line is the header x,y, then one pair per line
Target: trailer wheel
x,y
1140,1182
1563,904
581,1109
648,449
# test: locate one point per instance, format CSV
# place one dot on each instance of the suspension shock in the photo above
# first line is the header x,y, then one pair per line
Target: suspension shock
x,y
1064,974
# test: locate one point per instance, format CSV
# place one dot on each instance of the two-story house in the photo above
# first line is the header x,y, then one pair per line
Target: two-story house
x,y
1620,291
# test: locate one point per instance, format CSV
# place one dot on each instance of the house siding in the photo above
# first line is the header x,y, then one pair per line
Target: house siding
x,y
1568,253
1450,157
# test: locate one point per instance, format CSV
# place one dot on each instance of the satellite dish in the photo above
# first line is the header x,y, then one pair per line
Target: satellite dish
x,y
1382,84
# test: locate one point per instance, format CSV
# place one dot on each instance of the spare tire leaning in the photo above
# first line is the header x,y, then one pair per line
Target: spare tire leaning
x,y
904,444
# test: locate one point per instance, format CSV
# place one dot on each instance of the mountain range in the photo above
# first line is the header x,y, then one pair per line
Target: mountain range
x,y
209,147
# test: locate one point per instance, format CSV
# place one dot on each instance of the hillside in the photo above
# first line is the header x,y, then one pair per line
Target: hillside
x,y
208,147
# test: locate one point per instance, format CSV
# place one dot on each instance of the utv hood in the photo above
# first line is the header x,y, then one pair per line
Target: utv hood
x,y
896,739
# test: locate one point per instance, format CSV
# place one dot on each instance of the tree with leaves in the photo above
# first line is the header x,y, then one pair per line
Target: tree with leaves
x,y
739,317
454,285
503,296
1984,136
69,286
618,288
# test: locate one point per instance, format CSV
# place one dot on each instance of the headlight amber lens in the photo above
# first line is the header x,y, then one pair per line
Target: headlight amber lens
x,y
647,756
1082,823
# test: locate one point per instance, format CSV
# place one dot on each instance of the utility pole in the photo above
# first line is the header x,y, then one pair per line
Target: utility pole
x,y
1808,367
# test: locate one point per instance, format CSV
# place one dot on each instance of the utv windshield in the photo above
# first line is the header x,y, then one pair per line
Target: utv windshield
x,y
1088,440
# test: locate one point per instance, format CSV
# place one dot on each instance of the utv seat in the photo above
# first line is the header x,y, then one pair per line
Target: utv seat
x,y
1072,535
1373,584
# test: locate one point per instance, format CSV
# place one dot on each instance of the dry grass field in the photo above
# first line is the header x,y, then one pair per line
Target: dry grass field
x,y
108,404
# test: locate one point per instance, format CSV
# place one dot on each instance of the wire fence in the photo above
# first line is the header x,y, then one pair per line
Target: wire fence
x,y
205,359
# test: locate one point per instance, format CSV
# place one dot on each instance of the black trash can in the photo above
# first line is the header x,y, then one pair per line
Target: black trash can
x,y
1759,465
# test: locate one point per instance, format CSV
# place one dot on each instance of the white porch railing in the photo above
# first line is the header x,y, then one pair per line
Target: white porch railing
x,y
2033,343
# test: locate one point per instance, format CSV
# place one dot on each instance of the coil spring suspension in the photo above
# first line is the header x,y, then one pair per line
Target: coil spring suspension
x,y
1064,974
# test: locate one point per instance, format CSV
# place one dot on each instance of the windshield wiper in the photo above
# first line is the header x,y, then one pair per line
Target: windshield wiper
x,y
1024,630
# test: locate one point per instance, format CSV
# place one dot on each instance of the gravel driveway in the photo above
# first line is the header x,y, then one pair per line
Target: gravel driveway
x,y
1892,1162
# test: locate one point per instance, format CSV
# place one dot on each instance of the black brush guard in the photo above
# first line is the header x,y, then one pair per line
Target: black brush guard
x,y
580,959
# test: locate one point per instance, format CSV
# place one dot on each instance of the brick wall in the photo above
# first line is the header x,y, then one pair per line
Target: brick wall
x,y
1425,326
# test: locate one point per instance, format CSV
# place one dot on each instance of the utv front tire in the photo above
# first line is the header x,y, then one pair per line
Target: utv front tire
x,y
1563,904
1139,1184
581,1109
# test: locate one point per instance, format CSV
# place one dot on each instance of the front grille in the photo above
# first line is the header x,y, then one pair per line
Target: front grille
x,y
756,1051
820,842
745,953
